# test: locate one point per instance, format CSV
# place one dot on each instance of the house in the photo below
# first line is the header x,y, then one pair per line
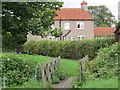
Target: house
x,y
76,23
104,32
117,34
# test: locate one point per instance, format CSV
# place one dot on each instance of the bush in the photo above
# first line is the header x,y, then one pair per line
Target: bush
x,y
57,76
105,64
16,70
68,49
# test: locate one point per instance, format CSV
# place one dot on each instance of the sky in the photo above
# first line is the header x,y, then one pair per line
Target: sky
x,y
111,4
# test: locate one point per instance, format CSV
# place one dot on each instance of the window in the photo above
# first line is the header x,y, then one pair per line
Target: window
x,y
81,37
80,25
66,25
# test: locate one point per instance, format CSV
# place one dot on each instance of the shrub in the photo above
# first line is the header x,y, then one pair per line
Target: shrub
x,y
68,49
16,70
29,46
105,64
57,76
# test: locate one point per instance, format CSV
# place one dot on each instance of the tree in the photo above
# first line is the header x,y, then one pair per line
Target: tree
x,y
102,16
18,18
56,32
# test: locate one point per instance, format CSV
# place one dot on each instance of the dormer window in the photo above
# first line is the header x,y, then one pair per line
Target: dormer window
x,y
80,25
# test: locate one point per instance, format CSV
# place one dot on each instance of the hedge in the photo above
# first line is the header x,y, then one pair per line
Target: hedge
x,y
67,49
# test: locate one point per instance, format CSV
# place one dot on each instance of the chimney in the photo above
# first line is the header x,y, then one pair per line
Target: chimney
x,y
84,6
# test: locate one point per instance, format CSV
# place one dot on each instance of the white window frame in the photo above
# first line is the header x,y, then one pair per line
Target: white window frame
x,y
82,25
81,37
66,25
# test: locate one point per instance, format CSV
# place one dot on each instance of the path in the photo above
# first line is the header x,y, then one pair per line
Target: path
x,y
67,83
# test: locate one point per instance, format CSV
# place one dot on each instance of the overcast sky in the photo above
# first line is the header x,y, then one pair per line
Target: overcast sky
x,y
111,4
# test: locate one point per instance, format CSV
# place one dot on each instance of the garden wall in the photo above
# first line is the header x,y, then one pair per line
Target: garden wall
x,y
67,49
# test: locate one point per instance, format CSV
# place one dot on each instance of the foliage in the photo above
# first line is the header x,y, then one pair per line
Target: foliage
x,y
102,16
58,76
56,32
30,84
18,18
17,71
67,67
103,70
118,24
68,49
65,64
105,64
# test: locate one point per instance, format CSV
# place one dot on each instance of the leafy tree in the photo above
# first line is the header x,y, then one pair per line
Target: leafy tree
x,y
56,32
102,16
18,18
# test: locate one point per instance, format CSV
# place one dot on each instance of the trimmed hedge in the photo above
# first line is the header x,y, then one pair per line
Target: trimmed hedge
x,y
68,49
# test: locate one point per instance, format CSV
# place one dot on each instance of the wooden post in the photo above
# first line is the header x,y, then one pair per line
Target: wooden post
x,y
48,68
80,71
43,74
82,68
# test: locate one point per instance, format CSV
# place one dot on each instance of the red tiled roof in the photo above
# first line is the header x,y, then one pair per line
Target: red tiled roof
x,y
73,14
104,31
